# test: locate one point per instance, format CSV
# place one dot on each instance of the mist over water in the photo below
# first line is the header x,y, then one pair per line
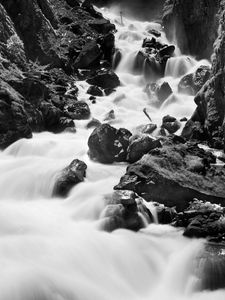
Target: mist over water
x,y
53,249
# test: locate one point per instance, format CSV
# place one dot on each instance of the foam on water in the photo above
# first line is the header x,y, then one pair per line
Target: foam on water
x,y
51,248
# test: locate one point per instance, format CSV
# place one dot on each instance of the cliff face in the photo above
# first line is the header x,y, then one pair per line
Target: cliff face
x,y
211,99
193,24
43,44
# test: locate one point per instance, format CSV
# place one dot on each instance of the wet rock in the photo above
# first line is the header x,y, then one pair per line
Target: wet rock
x,y
95,91
14,122
125,210
105,79
78,110
69,177
163,91
147,129
141,145
171,124
194,131
184,119
89,56
166,169
109,91
194,23
166,215
93,123
108,145
192,83
202,219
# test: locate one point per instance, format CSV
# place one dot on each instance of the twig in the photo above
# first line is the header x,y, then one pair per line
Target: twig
x,y
147,115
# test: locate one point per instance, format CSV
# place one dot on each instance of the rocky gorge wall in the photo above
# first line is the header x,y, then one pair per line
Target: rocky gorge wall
x,y
42,45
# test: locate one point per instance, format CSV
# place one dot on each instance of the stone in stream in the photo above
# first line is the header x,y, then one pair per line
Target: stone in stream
x,y
110,116
171,175
171,124
139,146
163,91
108,145
69,177
125,209
93,123
105,79
95,91
203,219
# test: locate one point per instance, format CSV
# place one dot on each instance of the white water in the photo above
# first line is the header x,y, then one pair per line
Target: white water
x,y
52,249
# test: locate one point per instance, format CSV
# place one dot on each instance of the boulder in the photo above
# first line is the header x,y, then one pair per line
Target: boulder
x,y
139,146
170,169
73,3
95,91
203,219
163,91
108,145
102,26
93,123
69,177
105,79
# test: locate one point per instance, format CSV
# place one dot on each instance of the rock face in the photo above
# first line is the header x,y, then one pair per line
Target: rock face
x,y
210,112
184,171
125,209
43,44
108,145
193,24
69,177
13,119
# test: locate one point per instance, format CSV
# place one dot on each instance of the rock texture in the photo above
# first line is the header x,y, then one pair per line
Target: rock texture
x,y
175,174
43,45
193,24
210,112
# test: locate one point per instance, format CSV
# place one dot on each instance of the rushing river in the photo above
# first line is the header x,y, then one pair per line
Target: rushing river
x,y
52,249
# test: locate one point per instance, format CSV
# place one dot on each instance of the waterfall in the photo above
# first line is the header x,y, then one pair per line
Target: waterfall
x,y
52,248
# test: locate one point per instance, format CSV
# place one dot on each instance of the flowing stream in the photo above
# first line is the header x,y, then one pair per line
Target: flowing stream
x,y
51,248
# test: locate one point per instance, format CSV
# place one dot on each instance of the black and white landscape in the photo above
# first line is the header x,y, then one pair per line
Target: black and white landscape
x,y
112,138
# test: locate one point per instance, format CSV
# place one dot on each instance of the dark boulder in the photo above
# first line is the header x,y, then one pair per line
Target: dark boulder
x,y
108,145
93,123
171,169
139,146
171,124
69,177
73,3
202,219
105,79
95,91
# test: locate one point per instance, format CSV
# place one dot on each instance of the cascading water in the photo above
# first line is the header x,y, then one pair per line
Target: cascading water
x,y
52,248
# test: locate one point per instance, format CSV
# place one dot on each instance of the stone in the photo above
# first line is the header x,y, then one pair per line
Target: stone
x,y
69,177
163,91
110,116
102,26
105,79
166,169
108,145
140,146
95,91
